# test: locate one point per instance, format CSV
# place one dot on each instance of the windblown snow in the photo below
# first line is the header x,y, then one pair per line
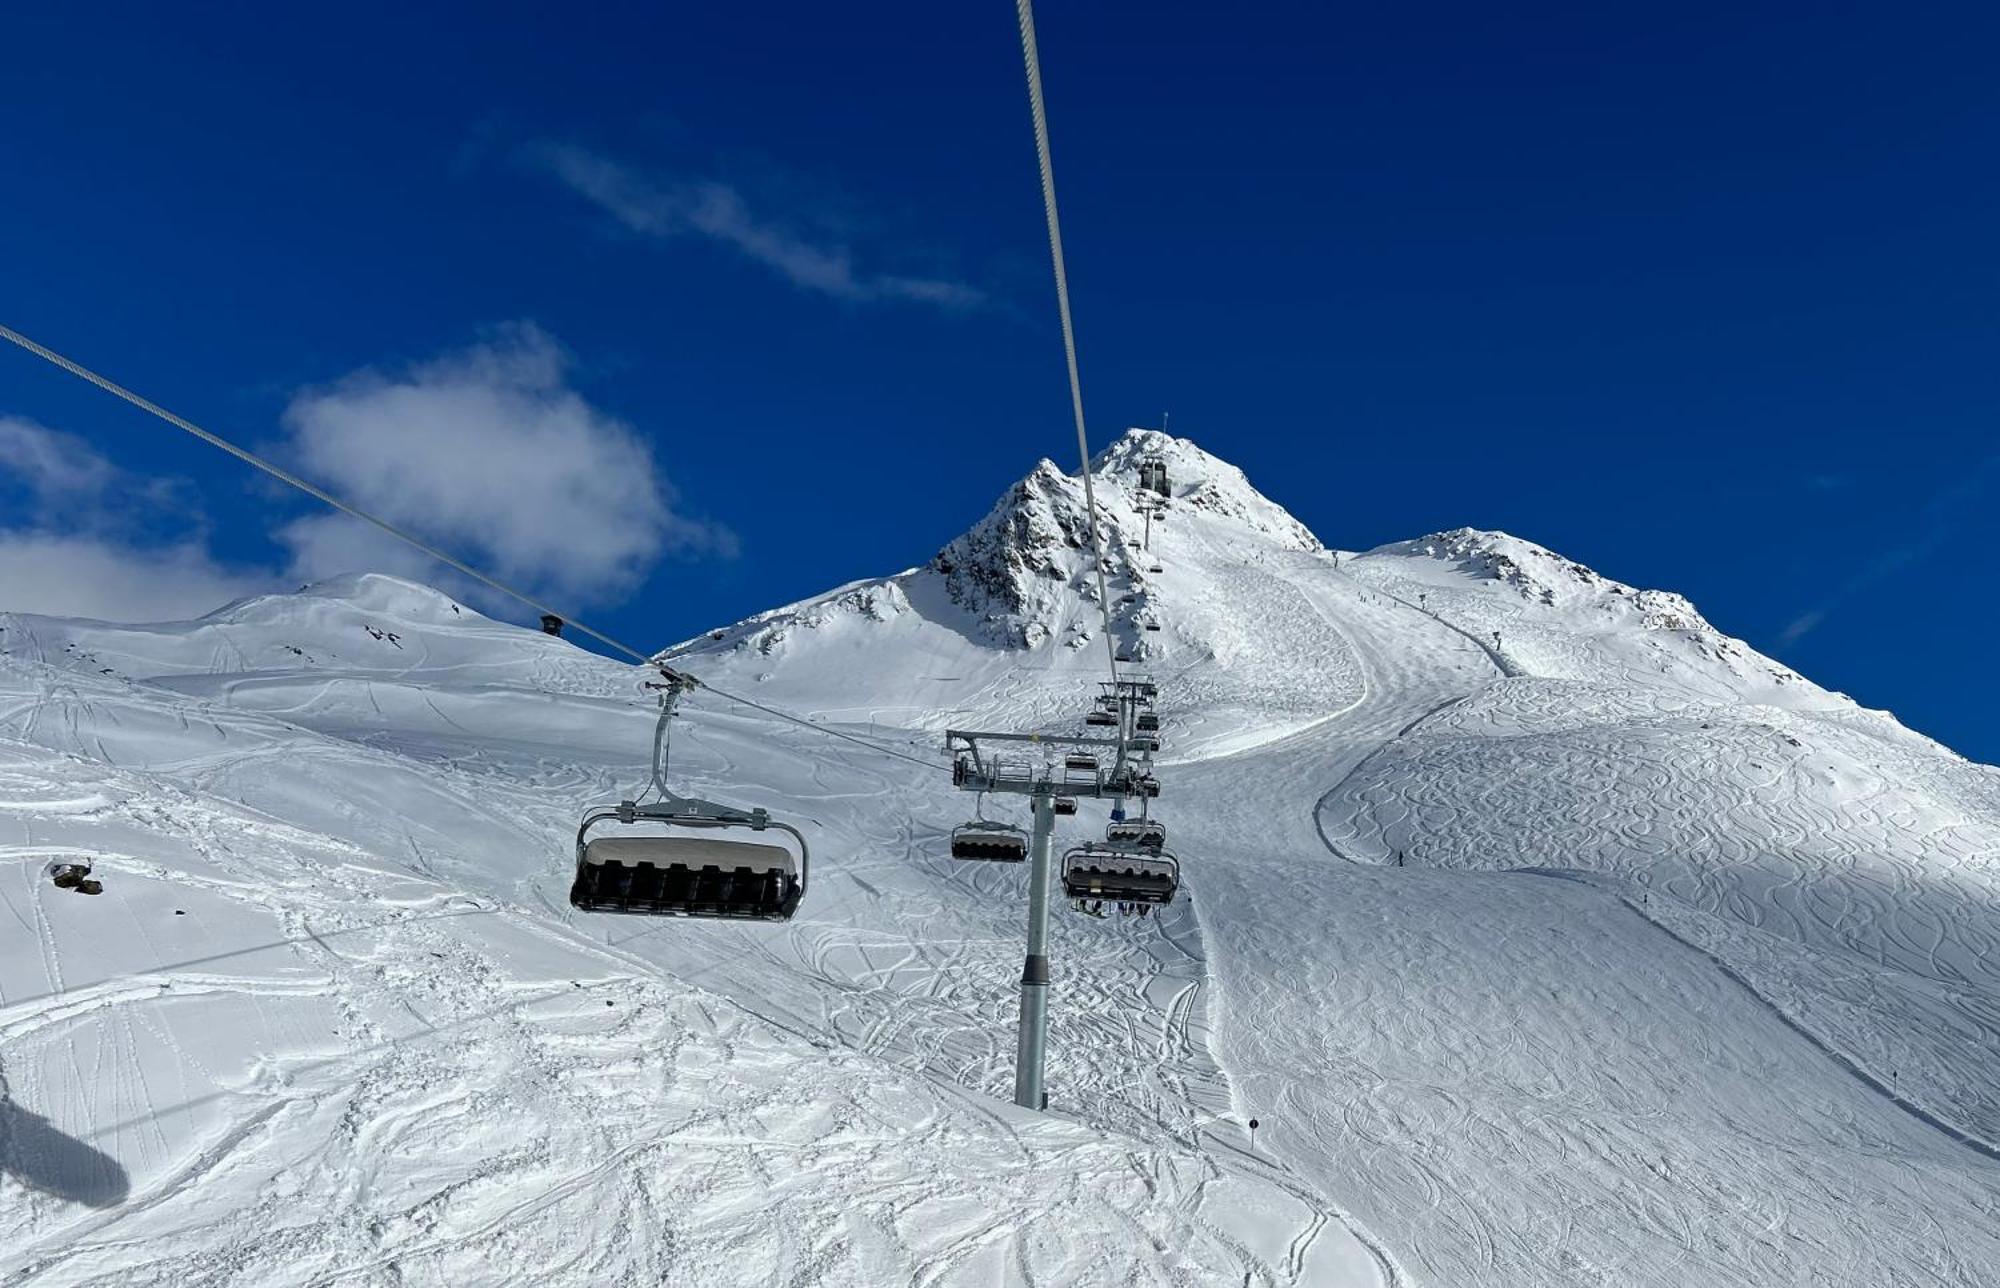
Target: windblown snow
x,y
1552,935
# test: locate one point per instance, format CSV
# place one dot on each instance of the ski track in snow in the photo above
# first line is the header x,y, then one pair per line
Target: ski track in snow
x,y
1690,975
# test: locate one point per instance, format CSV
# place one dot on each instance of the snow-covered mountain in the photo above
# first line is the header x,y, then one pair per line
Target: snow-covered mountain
x,y
1553,936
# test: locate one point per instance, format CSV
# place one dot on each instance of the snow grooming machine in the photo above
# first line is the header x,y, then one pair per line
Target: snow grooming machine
x,y
703,866
1135,879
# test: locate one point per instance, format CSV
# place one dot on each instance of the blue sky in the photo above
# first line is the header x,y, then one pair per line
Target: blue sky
x,y
714,307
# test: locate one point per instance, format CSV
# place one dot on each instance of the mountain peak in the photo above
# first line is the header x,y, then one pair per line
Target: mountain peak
x,y
1032,550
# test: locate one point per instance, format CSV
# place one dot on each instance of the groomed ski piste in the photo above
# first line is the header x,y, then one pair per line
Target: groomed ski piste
x,y
1601,951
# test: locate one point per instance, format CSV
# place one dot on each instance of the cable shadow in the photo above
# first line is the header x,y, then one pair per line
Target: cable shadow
x,y
310,937
40,1157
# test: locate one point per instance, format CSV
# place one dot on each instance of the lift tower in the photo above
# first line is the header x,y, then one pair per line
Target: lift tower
x,y
981,763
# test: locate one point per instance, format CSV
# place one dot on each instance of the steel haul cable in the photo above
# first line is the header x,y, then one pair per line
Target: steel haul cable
x,y
1031,56
285,476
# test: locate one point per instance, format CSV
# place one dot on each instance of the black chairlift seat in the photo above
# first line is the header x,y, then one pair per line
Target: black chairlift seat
x,y
1146,722
1144,743
1138,833
1063,805
713,876
1078,760
1152,626
1120,874
1101,718
990,842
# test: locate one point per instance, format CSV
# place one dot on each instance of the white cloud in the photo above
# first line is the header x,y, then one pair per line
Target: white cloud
x,y
719,212
83,547
50,464
82,576
489,454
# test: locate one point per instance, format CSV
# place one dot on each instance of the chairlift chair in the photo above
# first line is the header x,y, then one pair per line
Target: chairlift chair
x,y
1152,626
1146,722
1138,833
686,874
685,857
1081,761
992,842
1102,718
1122,874
1063,806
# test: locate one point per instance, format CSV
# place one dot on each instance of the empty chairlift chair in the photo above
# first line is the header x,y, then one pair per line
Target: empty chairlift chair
x,y
990,842
1153,476
1146,722
1102,719
1126,875
696,869
684,857
1137,833
1063,806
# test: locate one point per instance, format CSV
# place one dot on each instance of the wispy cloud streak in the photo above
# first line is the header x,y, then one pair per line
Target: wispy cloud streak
x,y
1935,524
720,213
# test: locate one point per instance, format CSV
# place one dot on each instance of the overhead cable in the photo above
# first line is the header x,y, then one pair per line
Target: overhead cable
x,y
1031,56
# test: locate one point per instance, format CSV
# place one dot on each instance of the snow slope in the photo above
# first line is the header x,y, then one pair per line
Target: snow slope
x,y
1610,952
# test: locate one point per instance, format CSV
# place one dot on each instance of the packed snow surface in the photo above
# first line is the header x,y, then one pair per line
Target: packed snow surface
x,y
1553,936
